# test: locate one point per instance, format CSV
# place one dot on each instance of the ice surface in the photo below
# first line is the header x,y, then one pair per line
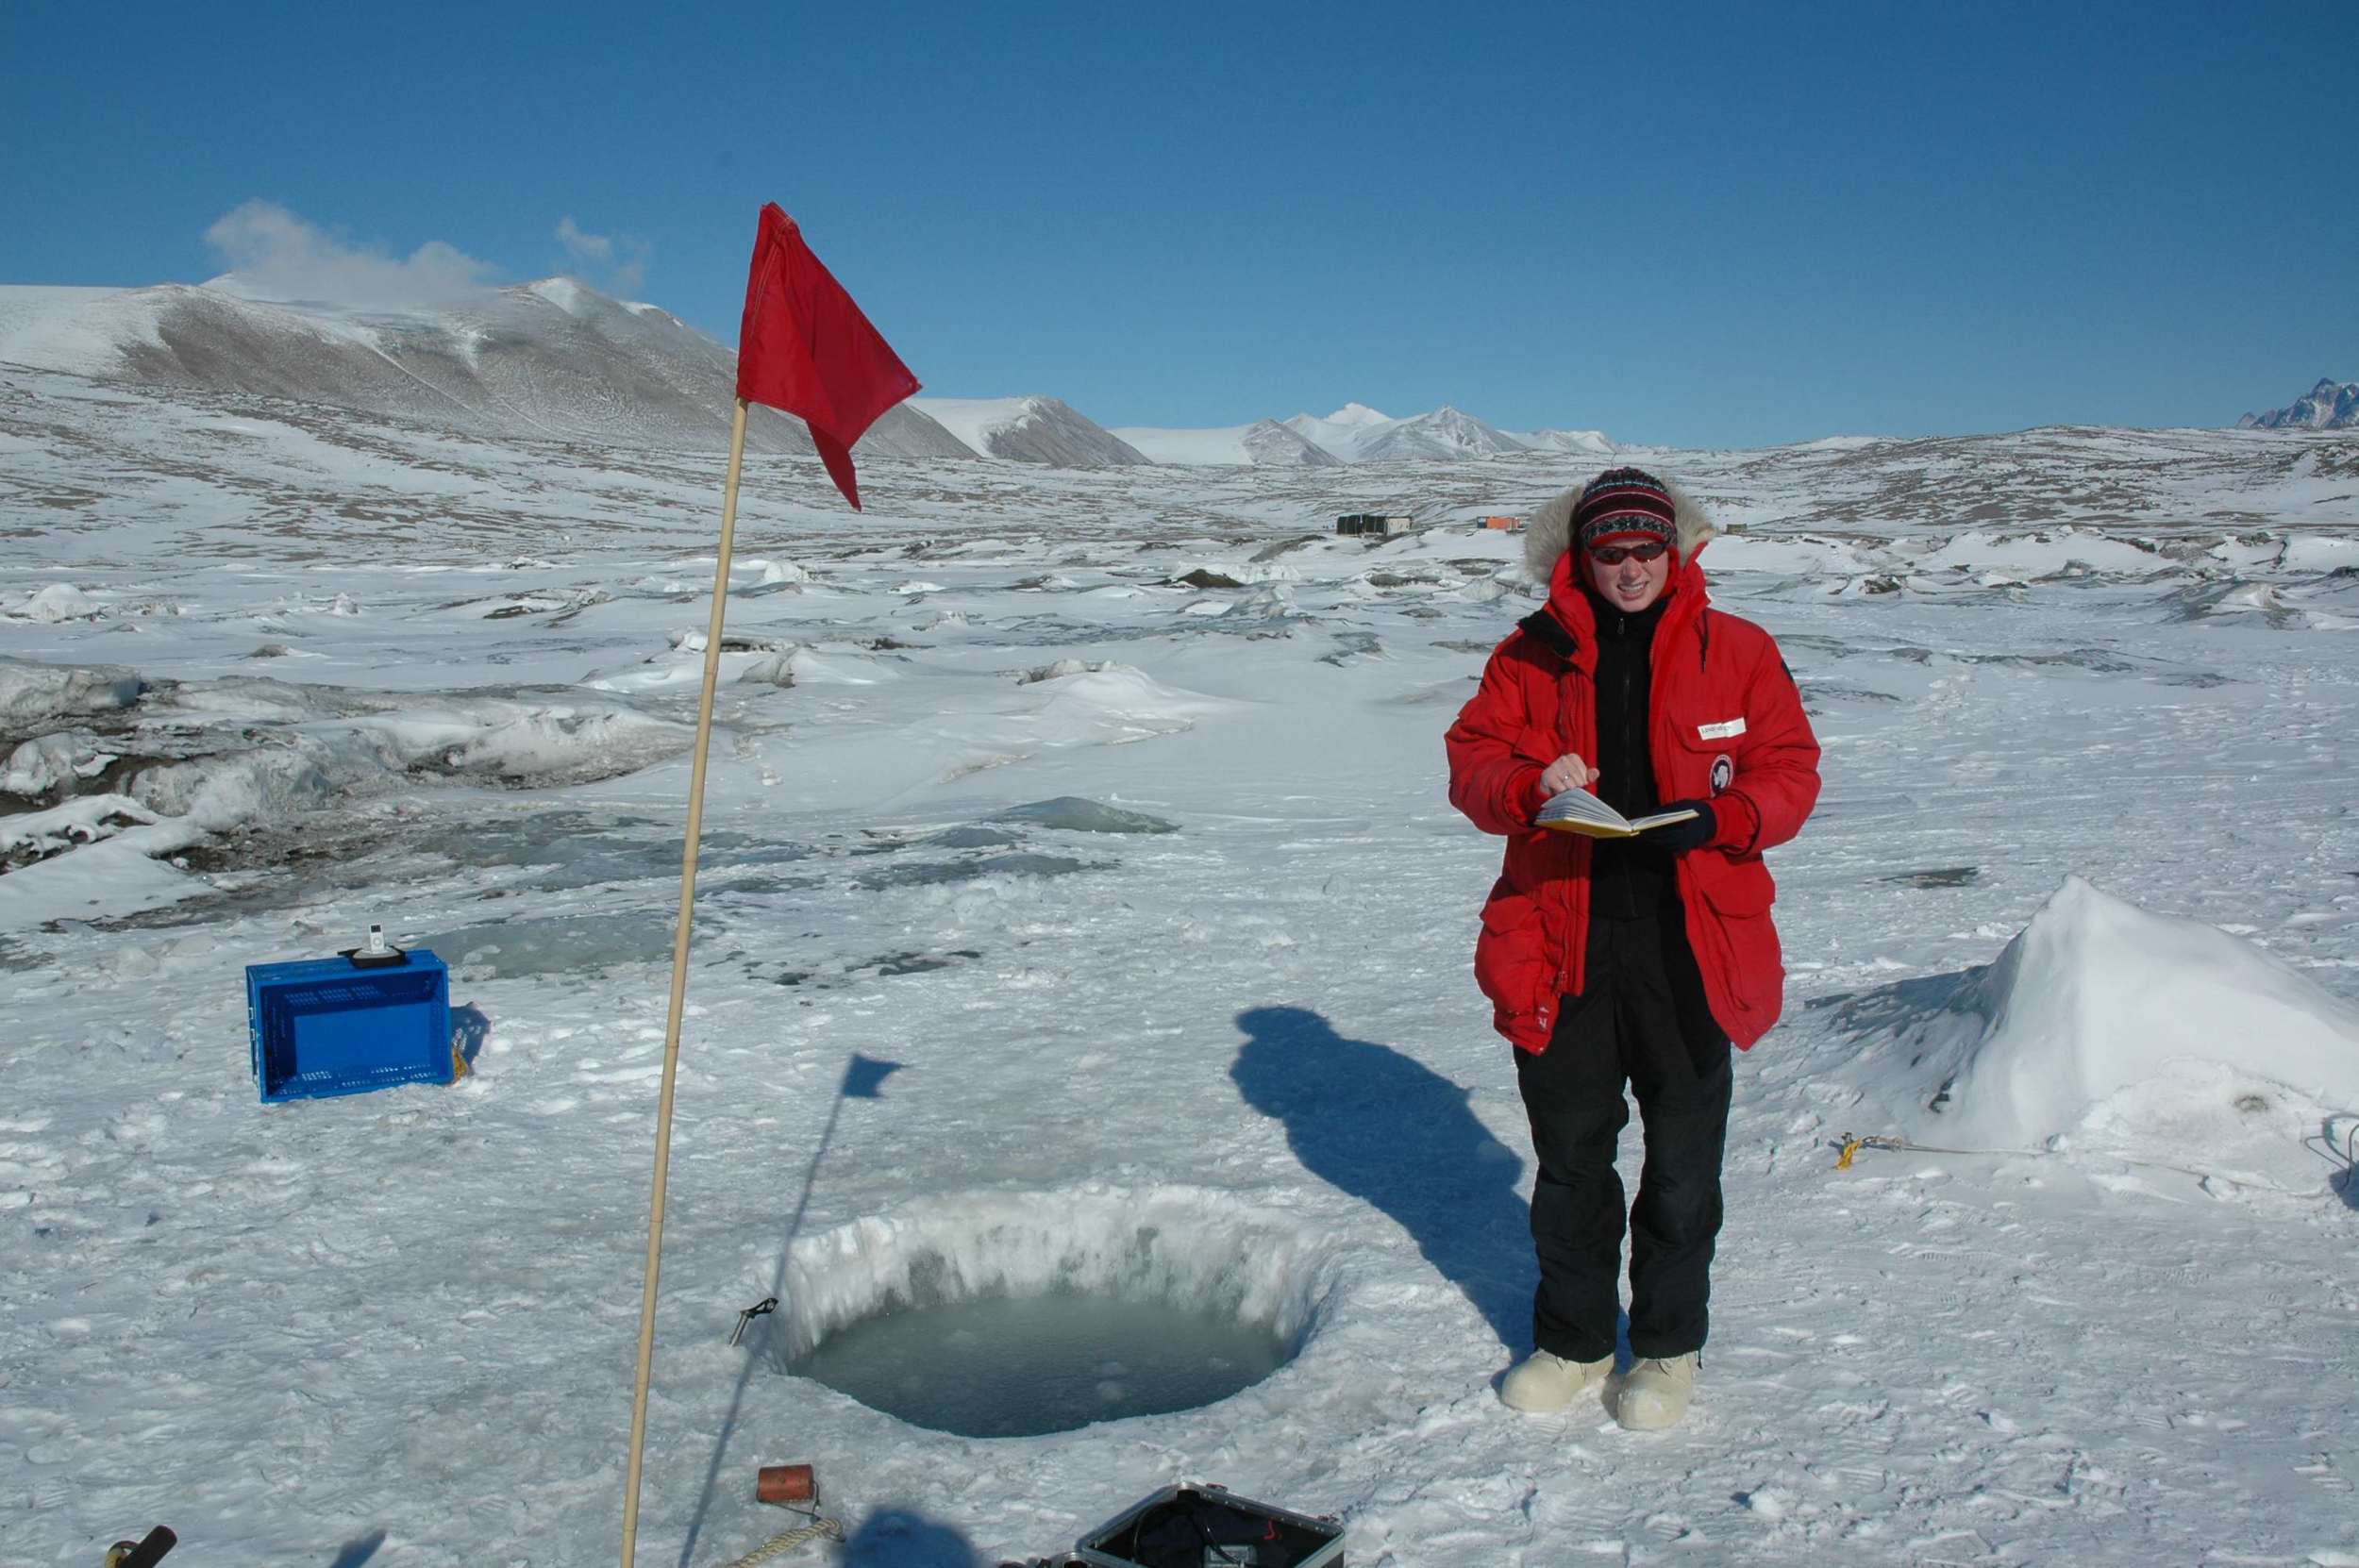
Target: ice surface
x,y
1255,1038
1073,814
1016,863
972,837
583,946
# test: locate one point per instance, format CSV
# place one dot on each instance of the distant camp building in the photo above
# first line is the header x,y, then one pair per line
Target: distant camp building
x,y
1502,521
1371,523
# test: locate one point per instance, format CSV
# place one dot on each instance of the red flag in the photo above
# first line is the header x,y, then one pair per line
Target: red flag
x,y
805,348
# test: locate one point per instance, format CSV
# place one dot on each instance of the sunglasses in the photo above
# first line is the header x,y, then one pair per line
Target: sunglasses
x,y
1614,555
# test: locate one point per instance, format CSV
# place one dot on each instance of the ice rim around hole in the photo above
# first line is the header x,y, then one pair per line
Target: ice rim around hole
x,y
1205,1252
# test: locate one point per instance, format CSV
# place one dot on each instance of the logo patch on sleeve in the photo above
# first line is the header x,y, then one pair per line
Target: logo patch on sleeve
x,y
1727,729
1723,772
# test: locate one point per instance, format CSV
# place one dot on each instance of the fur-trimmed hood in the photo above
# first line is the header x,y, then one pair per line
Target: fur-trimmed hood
x,y
1549,533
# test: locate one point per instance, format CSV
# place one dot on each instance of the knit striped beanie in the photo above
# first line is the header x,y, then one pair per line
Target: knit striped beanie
x,y
1625,503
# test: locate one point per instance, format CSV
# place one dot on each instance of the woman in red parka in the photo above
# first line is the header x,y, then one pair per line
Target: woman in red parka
x,y
1638,960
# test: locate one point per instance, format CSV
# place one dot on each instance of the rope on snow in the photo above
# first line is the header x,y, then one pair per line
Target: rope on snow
x,y
1894,1143
778,1545
1901,1145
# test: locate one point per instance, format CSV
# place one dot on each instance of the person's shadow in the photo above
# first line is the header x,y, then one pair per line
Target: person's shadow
x,y
903,1538
1392,1131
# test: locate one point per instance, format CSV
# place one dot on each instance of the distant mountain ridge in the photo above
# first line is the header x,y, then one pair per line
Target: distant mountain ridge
x,y
559,360
550,360
1357,433
2328,406
1264,442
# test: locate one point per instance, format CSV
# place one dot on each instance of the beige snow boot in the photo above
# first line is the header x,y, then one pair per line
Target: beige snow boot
x,y
1655,1393
1546,1381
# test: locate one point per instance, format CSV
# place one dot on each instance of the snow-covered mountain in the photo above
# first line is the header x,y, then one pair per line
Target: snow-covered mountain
x,y
552,359
1029,429
1356,433
1595,443
559,360
1264,442
1343,428
1446,432
2328,406
1342,433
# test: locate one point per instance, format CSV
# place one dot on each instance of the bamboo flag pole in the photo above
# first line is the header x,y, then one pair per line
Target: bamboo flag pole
x,y
803,348
680,985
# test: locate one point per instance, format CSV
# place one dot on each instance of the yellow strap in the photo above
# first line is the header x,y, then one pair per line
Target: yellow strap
x,y
1851,1147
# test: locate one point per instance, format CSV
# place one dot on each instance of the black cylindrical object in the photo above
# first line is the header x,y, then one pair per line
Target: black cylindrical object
x,y
146,1552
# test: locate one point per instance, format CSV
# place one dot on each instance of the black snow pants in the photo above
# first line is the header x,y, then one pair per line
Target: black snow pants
x,y
1644,1019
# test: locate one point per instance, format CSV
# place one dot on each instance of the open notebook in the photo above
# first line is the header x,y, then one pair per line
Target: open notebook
x,y
1578,811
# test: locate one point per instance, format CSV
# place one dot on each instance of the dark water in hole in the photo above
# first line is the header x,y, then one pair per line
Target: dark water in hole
x,y
1018,1367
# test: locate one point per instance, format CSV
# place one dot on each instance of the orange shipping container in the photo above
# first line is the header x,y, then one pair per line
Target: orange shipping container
x,y
1502,521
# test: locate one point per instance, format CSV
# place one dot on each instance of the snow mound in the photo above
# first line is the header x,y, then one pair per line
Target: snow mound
x,y
1116,704
89,856
36,695
115,876
58,601
53,762
751,661
522,741
2145,1035
1269,601
1059,669
85,820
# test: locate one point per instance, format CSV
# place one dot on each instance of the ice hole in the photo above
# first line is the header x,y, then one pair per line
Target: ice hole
x,y
1014,1317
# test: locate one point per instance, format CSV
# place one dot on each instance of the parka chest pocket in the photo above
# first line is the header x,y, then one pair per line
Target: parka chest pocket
x,y
1708,758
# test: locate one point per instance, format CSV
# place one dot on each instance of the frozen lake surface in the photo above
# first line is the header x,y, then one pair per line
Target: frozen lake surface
x,y
1082,909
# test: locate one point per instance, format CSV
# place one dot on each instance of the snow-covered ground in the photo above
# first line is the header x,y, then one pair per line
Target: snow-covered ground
x,y
2085,870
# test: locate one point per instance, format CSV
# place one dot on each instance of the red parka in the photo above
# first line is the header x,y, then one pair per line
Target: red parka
x,y
1726,723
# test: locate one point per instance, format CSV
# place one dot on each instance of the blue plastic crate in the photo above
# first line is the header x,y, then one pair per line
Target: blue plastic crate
x,y
328,1027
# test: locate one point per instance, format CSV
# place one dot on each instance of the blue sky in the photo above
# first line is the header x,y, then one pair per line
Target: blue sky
x,y
1714,225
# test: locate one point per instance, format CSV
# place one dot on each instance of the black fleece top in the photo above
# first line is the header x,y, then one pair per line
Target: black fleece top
x,y
1629,877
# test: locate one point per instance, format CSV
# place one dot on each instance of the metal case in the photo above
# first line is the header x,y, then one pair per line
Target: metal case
x,y
1311,1542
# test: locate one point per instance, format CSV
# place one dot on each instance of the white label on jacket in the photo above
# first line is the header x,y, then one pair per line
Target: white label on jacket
x,y
1725,729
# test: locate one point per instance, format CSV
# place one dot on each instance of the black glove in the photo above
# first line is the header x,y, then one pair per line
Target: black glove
x,y
1689,832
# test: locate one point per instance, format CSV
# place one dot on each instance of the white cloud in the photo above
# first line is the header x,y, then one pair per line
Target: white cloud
x,y
591,250
277,254
595,255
